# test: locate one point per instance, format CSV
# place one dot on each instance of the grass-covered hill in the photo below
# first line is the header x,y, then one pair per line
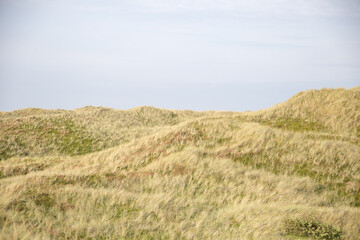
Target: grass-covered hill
x,y
288,172
335,109
39,132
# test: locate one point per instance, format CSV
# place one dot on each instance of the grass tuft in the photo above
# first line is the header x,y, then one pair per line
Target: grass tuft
x,y
310,227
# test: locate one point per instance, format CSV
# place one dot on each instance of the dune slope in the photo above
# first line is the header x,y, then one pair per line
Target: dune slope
x,y
148,173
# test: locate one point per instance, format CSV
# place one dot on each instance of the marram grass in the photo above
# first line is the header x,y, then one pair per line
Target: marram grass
x,y
148,173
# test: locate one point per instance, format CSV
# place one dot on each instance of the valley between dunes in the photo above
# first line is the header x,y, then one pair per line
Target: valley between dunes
x,y
149,173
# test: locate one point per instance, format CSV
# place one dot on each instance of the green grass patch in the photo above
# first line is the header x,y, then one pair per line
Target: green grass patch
x,y
294,124
124,210
22,170
39,136
310,227
44,200
337,183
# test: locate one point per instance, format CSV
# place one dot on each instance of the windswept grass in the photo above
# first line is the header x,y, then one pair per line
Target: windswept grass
x,y
37,132
337,109
298,124
147,173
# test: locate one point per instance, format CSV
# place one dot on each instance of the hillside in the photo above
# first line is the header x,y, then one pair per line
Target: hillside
x,y
39,132
337,110
148,173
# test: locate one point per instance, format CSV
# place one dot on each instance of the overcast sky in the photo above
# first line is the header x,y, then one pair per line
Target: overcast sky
x,y
178,54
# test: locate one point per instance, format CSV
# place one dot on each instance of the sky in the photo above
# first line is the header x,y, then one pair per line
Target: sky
x,y
178,54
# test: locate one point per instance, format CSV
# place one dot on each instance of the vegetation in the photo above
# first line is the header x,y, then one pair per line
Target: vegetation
x,y
294,124
148,173
310,227
36,132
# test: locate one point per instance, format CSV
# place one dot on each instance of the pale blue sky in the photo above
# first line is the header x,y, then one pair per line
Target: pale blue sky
x,y
178,54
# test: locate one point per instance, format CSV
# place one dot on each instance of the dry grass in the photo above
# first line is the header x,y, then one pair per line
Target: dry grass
x,y
158,174
336,109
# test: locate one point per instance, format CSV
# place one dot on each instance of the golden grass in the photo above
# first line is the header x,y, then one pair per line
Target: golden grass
x,y
166,174
337,109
